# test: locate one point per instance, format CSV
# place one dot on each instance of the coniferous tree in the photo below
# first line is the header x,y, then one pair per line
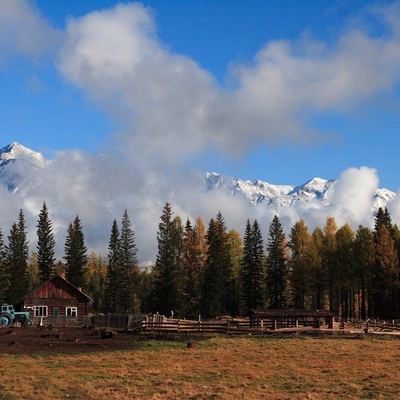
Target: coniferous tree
x,y
329,262
76,254
129,272
200,233
277,268
17,260
217,278
191,270
253,267
97,281
236,254
167,293
318,276
345,277
113,267
4,271
302,247
364,260
45,246
385,279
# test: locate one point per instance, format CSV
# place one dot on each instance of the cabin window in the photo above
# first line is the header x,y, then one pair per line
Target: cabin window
x,y
40,311
71,312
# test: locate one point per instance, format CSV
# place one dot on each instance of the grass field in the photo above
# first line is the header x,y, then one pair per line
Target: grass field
x,y
268,367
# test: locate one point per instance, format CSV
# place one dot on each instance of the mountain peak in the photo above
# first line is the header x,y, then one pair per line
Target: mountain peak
x,y
16,151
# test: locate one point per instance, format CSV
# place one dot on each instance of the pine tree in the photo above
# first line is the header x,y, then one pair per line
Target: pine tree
x,y
113,267
253,267
216,296
277,268
76,254
4,271
167,270
129,272
17,260
364,260
345,278
45,245
191,269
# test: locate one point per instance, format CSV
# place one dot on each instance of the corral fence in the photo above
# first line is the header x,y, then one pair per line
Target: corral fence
x,y
159,323
383,326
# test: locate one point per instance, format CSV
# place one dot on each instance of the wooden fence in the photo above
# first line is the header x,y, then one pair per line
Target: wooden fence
x,y
162,324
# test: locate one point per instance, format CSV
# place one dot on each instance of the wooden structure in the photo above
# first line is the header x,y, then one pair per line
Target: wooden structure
x,y
57,301
290,318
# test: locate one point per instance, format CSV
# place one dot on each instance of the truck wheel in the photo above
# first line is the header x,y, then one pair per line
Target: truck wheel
x,y
28,323
5,319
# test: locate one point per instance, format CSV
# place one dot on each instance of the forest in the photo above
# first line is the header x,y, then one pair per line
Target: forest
x,y
210,271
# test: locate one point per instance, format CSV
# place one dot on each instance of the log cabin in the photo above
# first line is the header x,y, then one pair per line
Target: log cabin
x,y
57,301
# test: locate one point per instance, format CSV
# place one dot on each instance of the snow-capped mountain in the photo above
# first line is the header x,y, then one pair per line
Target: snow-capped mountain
x,y
20,167
320,191
16,151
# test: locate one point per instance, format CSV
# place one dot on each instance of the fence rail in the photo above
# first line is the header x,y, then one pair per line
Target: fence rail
x,y
224,327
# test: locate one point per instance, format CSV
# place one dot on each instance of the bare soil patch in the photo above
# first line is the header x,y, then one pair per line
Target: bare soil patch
x,y
63,340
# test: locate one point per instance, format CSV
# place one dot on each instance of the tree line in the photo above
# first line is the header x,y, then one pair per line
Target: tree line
x,y
210,271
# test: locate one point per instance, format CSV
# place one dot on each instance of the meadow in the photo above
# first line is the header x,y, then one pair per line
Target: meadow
x,y
262,367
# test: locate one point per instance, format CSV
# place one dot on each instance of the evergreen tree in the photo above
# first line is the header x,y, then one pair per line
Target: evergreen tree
x,y
4,271
253,267
17,260
217,278
277,268
45,245
76,254
383,217
113,267
129,272
345,276
364,260
191,269
302,253
167,270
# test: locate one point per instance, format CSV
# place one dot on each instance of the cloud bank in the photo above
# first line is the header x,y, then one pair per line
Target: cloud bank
x,y
167,110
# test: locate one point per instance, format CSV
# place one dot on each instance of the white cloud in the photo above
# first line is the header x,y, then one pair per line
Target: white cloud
x,y
169,109
24,31
167,101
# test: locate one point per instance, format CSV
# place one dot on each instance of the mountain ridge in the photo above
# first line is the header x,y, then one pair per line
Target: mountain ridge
x,y
18,161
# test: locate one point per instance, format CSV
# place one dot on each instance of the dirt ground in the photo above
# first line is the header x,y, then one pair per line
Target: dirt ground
x,y
39,340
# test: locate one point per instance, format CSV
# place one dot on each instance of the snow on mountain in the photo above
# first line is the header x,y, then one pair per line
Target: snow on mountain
x,y
262,193
16,151
20,168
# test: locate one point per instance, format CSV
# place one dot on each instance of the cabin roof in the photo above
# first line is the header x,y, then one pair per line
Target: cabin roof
x,y
62,279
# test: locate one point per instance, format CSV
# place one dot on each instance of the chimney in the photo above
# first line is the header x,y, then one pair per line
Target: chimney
x,y
62,274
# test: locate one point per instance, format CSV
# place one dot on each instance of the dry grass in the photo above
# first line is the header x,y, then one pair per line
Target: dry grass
x,y
220,368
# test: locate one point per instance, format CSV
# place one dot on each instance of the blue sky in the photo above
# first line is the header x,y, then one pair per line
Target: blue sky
x,y
251,69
